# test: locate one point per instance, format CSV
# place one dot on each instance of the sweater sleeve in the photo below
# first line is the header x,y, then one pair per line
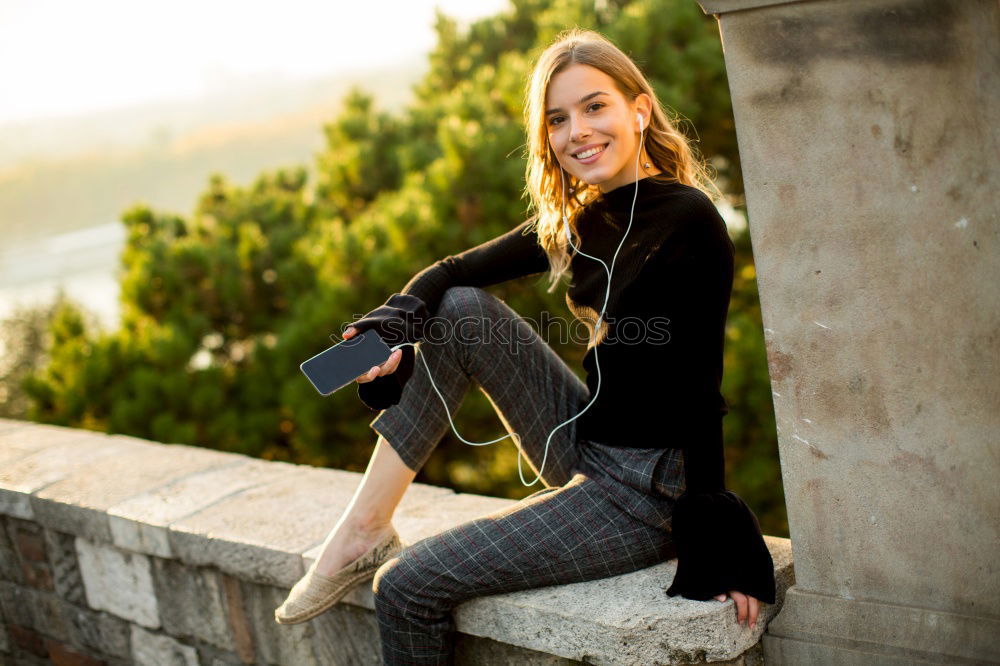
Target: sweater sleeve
x,y
403,316
719,543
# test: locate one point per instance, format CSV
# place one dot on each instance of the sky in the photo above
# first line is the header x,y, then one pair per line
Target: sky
x,y
66,57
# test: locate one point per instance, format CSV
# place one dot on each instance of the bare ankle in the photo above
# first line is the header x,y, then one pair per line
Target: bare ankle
x,y
370,522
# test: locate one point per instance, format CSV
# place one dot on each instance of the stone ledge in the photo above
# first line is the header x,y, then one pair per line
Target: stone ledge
x,y
135,506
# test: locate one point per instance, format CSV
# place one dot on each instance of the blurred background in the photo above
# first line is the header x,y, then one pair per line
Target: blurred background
x,y
193,196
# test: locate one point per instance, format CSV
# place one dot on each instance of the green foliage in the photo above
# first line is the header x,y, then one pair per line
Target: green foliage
x,y
219,307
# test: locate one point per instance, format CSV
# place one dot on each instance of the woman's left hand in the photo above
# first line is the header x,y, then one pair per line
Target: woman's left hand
x,y
747,607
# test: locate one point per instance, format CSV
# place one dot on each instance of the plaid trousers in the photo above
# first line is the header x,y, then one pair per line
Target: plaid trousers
x,y
603,510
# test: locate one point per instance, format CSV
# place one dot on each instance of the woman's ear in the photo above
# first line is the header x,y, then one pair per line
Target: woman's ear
x,y
643,108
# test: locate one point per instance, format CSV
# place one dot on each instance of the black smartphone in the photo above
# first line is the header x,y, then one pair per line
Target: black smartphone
x,y
341,364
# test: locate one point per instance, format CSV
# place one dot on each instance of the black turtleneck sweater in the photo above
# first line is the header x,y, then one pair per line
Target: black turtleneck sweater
x,y
660,351
661,341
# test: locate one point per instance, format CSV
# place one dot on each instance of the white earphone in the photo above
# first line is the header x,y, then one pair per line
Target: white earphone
x,y
597,324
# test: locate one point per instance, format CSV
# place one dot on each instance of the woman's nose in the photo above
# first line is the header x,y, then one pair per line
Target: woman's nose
x,y
579,130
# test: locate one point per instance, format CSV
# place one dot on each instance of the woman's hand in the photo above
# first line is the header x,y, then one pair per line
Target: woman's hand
x,y
377,370
745,606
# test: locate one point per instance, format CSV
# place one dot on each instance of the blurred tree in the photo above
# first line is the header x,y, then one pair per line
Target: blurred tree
x,y
219,308
25,340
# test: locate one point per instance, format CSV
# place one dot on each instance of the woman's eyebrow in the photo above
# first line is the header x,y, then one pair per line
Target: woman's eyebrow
x,y
582,100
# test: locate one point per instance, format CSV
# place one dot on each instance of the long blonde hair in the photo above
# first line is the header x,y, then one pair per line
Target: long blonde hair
x,y
667,147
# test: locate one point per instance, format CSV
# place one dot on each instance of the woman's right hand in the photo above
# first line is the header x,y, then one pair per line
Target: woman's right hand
x,y
377,370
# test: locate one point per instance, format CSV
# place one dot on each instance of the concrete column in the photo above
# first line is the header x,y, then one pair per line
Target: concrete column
x,y
869,138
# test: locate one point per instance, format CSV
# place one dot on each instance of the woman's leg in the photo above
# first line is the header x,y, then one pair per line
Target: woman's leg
x,y
564,535
369,513
477,339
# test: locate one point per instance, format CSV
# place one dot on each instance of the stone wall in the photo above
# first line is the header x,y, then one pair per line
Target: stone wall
x,y
117,550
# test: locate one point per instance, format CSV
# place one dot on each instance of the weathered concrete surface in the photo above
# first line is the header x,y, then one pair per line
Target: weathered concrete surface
x,y
869,142
141,523
31,465
78,503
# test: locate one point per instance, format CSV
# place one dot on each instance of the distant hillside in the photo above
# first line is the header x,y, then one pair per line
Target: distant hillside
x,y
84,171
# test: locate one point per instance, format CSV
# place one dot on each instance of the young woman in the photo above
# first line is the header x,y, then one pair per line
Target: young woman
x,y
633,479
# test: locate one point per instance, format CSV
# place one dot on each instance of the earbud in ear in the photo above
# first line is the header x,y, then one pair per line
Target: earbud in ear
x,y
638,117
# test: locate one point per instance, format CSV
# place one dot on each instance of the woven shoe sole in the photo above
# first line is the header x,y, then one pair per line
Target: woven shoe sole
x,y
316,593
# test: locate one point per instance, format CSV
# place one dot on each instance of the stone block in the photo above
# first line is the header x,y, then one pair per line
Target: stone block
x,y
34,609
140,523
118,582
151,649
45,613
10,565
29,553
19,439
347,636
28,474
276,643
97,630
79,502
815,626
624,619
191,603
66,577
239,621
66,622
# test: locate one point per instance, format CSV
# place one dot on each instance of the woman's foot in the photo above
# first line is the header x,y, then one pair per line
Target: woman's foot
x,y
316,592
347,542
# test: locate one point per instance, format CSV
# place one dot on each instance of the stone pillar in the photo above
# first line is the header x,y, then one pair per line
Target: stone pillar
x,y
869,138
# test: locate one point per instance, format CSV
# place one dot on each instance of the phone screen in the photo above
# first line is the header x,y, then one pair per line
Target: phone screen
x,y
339,365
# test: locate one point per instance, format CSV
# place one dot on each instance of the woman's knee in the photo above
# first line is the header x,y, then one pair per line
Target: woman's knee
x,y
397,585
461,301
387,585
476,316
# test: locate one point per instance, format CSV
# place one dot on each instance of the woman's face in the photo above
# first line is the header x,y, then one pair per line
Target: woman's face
x,y
584,110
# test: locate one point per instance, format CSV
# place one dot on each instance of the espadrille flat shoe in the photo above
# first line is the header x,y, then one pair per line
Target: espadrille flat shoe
x,y
315,593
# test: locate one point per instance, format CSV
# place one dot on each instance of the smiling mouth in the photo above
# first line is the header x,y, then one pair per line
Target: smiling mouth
x,y
587,154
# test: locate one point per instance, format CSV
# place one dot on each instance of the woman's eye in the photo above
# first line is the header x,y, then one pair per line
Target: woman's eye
x,y
554,121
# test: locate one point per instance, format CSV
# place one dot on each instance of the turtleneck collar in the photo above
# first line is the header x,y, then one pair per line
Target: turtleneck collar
x,y
620,198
